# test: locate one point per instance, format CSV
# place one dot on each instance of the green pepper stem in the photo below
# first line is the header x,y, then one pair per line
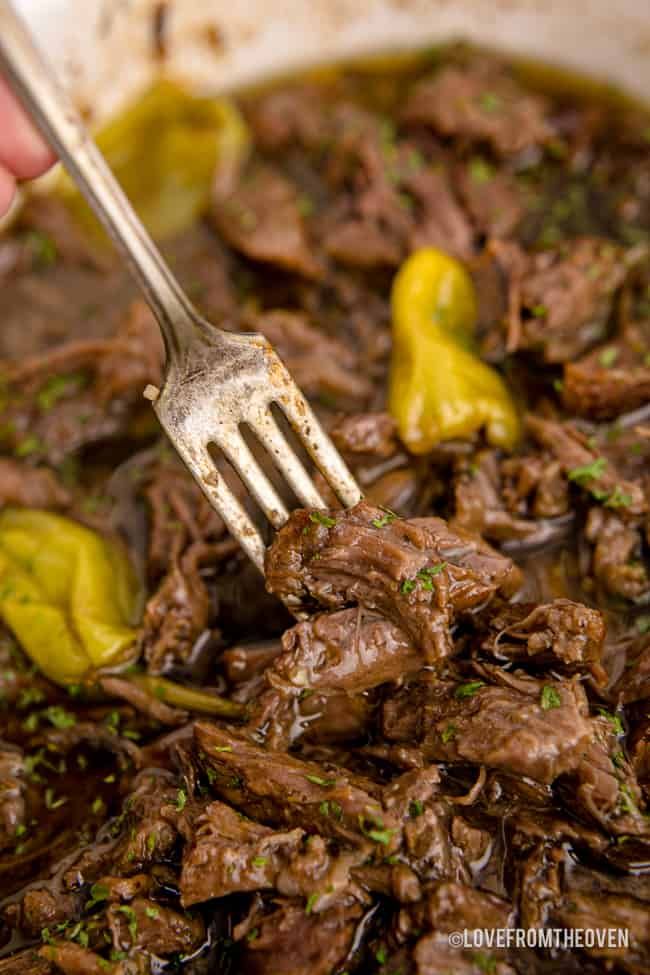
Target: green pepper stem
x,y
188,698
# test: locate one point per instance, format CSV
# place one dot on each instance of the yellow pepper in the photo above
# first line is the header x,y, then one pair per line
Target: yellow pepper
x,y
164,150
439,390
69,596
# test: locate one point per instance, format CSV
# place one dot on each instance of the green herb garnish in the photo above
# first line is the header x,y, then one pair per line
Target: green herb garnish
x,y
608,357
588,472
469,689
549,698
321,519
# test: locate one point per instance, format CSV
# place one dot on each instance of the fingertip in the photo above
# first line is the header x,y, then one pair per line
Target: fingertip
x,y
7,190
22,149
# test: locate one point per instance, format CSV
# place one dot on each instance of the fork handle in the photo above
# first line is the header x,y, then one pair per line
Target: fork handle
x,y
35,84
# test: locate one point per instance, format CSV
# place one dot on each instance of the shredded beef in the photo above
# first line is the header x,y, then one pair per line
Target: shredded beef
x,y
451,732
563,634
480,103
261,218
523,726
418,572
322,366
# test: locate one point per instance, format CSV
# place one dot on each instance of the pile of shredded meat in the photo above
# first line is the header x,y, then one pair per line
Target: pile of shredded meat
x,y
434,706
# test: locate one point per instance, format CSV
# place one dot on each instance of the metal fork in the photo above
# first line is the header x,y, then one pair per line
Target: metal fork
x,y
215,381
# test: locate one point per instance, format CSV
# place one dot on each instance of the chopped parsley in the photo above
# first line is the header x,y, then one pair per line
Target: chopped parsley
x,y
380,835
151,842
588,472
480,170
626,799
614,720
42,247
415,808
312,900
448,733
56,388
129,913
30,445
423,577
381,955
331,808
317,780
98,893
152,912
59,717
618,498
618,759
253,934
384,519
489,101
608,357
487,963
222,748
181,799
321,519
539,311
98,806
29,696
469,689
260,861
549,698
51,802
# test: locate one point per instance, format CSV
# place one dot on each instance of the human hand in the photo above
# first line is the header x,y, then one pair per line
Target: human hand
x,y
23,153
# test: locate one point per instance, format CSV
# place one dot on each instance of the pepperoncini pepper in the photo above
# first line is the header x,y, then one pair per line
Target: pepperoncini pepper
x,y
69,596
166,149
439,390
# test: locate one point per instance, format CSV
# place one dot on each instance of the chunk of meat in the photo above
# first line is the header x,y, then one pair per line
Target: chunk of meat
x,y
535,483
480,102
150,824
634,682
603,787
349,650
180,514
146,925
560,300
262,219
608,381
366,433
617,555
282,118
12,794
82,392
31,487
25,962
321,365
39,908
288,940
534,729
492,197
231,853
284,791
449,907
439,219
562,634
179,611
481,499
419,573
588,469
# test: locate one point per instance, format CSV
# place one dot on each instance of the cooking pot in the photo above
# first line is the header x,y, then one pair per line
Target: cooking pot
x,y
108,49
